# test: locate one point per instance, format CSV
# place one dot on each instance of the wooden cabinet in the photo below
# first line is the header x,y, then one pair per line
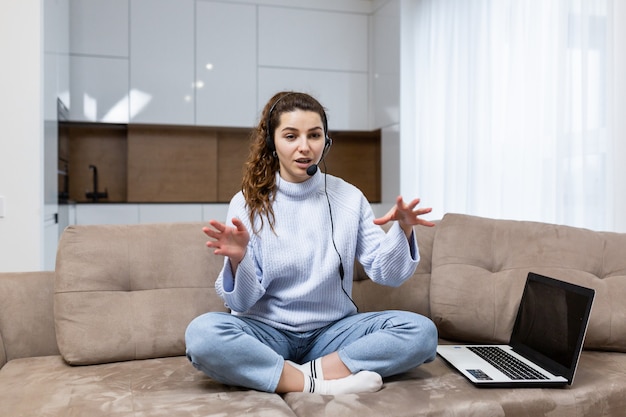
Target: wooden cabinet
x,y
154,163
100,145
189,164
171,164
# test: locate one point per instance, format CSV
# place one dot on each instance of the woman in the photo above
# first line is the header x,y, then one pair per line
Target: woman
x,y
293,237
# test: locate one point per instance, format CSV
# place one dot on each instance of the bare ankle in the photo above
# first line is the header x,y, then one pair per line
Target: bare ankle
x,y
291,380
333,367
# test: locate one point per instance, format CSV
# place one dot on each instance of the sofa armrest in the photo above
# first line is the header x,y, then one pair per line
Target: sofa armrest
x,y
26,315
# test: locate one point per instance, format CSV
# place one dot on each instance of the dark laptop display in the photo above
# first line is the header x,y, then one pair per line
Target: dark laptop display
x,y
551,323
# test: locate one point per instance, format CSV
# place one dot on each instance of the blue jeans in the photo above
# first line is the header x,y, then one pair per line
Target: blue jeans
x,y
244,352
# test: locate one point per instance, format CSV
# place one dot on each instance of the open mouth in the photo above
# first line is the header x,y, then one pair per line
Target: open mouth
x,y
304,161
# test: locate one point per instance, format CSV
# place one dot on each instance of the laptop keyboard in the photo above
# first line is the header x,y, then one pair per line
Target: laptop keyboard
x,y
506,363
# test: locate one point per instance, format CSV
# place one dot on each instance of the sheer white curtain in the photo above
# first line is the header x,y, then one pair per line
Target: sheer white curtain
x,y
511,107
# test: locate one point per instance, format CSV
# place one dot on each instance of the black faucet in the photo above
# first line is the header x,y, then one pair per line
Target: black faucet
x,y
95,195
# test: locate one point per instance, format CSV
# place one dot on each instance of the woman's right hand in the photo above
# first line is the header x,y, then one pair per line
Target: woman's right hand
x,y
228,241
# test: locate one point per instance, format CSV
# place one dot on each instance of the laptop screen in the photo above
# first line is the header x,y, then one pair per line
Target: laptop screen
x,y
551,323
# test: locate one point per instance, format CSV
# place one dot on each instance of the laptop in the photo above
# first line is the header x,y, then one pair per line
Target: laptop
x,y
545,344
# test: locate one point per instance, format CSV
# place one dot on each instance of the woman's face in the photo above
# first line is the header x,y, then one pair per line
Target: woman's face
x,y
299,141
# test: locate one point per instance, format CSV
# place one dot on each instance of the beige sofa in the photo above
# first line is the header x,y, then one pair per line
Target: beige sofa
x,y
103,335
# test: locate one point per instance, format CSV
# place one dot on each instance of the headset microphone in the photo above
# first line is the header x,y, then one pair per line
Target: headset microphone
x,y
310,171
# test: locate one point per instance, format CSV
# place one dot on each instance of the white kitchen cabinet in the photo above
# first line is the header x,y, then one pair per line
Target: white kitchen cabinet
x,y
63,79
161,213
99,27
323,53
108,213
56,26
162,62
226,60
50,84
98,89
97,86
57,53
312,39
134,213
343,94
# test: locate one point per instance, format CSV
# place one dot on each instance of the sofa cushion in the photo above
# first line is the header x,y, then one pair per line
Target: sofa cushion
x,y
47,386
127,292
480,265
433,389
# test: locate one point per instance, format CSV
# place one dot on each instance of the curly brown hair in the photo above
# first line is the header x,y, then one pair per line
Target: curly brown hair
x,y
259,178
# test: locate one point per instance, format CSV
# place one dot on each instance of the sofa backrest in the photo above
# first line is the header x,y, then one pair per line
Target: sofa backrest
x,y
26,320
127,292
479,267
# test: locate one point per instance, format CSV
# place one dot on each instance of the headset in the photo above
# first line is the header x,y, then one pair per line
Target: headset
x,y
311,171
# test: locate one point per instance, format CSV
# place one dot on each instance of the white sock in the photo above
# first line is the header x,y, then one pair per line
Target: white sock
x,y
312,368
364,381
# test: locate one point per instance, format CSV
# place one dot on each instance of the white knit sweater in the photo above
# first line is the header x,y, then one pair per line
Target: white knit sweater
x,y
290,279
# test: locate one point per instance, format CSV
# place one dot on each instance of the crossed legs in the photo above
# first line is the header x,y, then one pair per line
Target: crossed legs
x,y
351,355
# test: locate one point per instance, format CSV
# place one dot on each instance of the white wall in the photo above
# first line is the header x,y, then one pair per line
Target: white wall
x,y
21,140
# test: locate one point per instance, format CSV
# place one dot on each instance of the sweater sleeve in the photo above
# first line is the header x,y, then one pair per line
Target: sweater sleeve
x,y
388,258
242,289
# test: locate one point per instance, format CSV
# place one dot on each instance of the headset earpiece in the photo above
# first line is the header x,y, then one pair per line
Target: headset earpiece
x,y
269,142
328,142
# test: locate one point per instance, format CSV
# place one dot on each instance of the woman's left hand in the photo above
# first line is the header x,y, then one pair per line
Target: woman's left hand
x,y
406,215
